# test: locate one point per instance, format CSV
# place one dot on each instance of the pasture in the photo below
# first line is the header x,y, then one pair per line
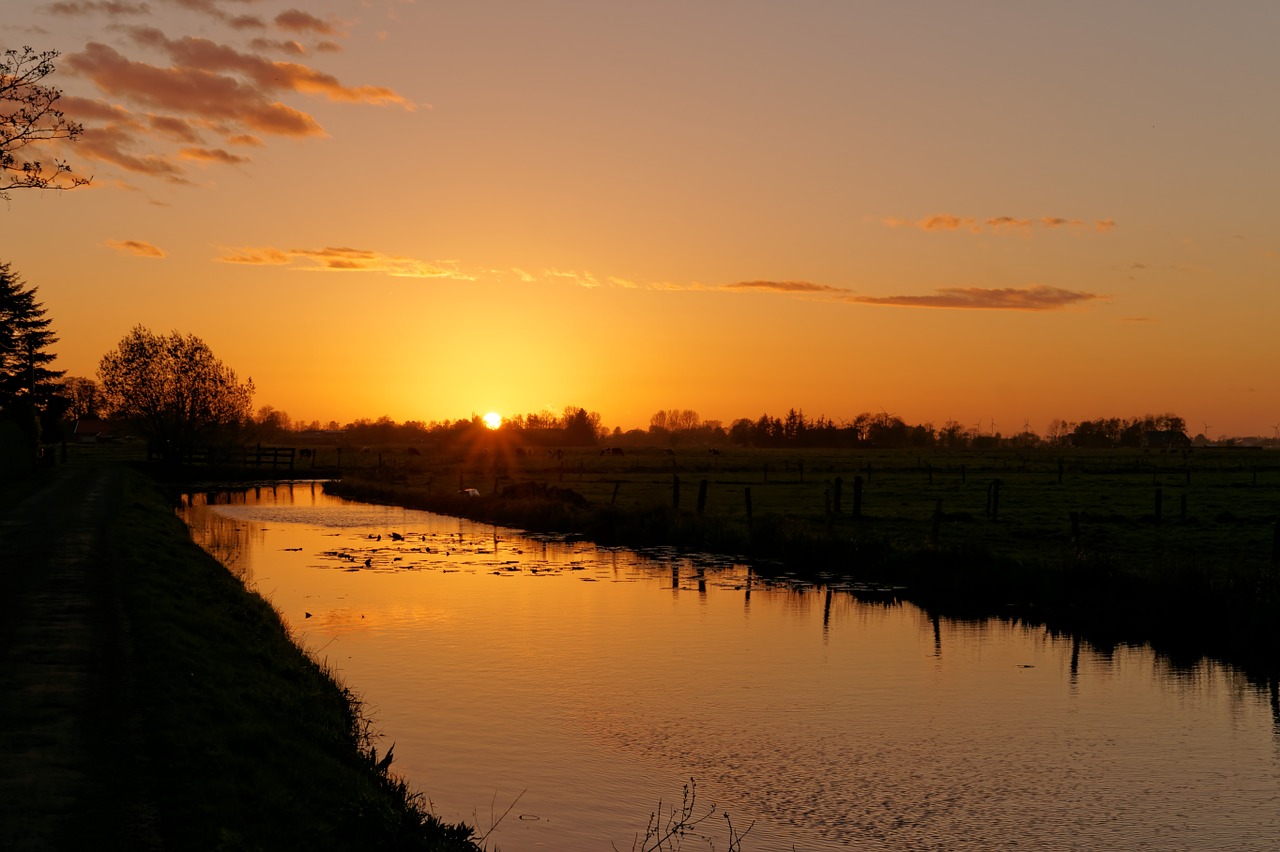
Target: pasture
x,y
1207,507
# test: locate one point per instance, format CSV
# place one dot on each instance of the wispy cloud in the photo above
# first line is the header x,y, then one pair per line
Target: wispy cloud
x,y
141,248
581,279
343,259
942,222
212,155
1033,298
76,8
785,287
939,222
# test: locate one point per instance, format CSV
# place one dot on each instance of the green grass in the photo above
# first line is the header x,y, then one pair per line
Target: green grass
x,y
251,744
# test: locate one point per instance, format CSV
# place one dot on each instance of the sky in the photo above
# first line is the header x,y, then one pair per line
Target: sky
x,y
998,213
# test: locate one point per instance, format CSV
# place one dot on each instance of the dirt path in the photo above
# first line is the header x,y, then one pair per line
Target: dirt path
x,y
69,730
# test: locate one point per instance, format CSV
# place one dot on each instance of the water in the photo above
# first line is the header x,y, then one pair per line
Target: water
x,y
573,687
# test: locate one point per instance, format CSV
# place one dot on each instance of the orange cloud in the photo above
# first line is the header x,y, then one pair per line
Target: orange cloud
x,y
996,224
112,143
74,8
188,90
141,248
298,21
1009,223
174,128
205,55
1033,298
289,46
785,287
343,259
582,279
212,155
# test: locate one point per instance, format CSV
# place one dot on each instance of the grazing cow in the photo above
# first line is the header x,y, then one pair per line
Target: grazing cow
x,y
414,451
714,451
670,452
612,451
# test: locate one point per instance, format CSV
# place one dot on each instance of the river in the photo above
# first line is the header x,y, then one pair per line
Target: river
x,y
556,694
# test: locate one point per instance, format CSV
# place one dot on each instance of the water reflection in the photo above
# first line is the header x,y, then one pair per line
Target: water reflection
x,y
599,681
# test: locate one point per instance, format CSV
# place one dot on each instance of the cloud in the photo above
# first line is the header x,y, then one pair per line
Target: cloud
x,y
582,279
784,287
298,21
939,222
1034,298
287,46
342,259
114,143
1008,223
994,224
141,248
202,54
212,155
193,91
159,117
174,128
76,8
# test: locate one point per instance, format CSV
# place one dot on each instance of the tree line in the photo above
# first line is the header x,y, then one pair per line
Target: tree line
x,y
173,392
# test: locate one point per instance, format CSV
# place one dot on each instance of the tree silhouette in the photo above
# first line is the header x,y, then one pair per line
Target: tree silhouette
x,y
29,116
26,382
172,391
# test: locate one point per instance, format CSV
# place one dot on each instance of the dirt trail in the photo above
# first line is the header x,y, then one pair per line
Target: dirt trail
x,y
69,731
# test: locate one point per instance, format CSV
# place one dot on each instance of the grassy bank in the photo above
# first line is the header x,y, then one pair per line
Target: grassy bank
x,y
246,743
1117,546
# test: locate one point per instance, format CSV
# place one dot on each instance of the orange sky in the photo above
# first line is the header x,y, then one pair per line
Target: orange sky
x,y
981,211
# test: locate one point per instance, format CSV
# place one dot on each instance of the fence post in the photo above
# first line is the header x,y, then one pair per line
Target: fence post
x,y
747,495
1275,546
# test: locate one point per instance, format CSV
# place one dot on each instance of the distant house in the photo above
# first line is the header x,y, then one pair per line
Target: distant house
x,y
89,430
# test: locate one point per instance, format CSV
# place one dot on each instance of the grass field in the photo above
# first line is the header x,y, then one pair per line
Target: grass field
x,y
1177,547
1207,507
1173,547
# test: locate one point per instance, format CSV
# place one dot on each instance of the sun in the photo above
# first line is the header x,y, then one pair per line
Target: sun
x,y
493,420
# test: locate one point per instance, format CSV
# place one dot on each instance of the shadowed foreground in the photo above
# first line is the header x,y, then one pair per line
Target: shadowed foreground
x,y
147,701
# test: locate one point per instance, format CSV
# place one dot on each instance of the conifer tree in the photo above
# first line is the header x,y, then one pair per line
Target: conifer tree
x,y
27,384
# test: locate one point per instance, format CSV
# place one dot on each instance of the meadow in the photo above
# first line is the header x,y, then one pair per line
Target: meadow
x,y
1176,547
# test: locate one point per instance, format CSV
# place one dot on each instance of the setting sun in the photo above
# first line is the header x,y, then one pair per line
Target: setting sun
x,y
493,420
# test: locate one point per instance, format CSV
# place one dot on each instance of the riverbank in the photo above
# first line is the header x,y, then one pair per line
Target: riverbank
x,y
1186,607
150,702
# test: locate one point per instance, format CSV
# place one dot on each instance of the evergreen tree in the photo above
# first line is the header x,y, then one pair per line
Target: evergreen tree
x,y
26,383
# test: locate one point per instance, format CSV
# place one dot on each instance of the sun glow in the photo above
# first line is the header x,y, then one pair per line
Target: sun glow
x,y
493,420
